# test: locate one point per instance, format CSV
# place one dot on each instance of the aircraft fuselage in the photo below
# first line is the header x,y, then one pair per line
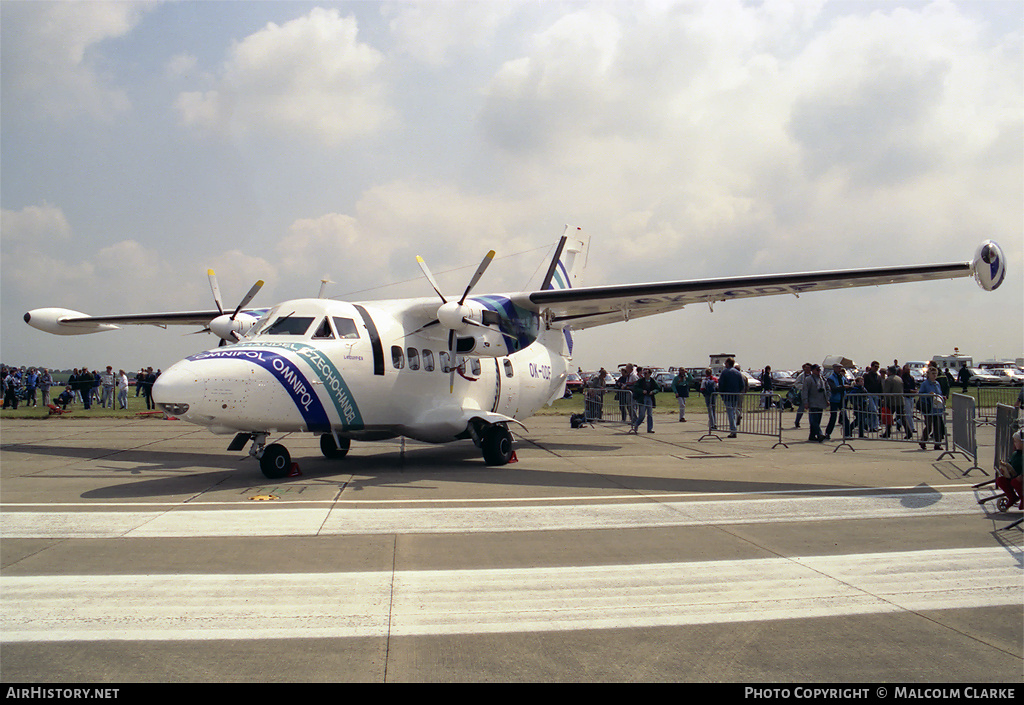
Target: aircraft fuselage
x,y
355,370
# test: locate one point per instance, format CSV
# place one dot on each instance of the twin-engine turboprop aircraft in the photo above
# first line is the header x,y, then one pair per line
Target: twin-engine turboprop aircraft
x,y
434,371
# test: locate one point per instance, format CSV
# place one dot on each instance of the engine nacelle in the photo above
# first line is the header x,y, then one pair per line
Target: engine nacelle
x,y
989,265
483,342
233,330
60,321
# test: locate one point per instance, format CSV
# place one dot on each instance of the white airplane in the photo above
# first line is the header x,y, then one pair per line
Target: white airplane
x,y
466,368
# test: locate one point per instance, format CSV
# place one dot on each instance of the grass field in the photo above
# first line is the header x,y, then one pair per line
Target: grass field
x,y
136,405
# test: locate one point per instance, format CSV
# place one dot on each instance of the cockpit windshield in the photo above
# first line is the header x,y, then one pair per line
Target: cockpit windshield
x,y
288,325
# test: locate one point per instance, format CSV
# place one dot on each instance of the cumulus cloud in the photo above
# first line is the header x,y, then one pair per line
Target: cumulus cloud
x,y
33,224
50,68
723,126
310,76
434,33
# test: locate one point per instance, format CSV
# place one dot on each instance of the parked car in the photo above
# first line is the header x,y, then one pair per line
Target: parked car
x,y
664,380
783,379
573,382
753,383
984,377
1006,375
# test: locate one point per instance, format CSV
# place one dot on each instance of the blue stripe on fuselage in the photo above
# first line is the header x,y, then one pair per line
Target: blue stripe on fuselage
x,y
290,377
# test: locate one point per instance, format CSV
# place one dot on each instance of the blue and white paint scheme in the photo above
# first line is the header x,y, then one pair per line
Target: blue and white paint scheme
x,y
433,369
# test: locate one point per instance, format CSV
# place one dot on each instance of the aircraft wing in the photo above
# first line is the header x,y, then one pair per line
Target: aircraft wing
x,y
62,321
587,307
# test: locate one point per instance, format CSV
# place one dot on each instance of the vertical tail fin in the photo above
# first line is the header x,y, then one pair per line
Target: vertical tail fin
x,y
566,269
568,262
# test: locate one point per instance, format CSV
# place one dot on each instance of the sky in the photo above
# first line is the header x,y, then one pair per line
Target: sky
x,y
146,142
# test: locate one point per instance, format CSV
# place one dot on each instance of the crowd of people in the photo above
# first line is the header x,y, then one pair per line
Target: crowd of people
x,y
108,389
880,397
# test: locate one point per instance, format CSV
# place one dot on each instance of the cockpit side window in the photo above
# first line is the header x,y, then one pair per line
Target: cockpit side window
x,y
323,331
346,328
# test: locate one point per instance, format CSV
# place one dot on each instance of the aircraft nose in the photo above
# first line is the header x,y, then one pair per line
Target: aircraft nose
x,y
177,388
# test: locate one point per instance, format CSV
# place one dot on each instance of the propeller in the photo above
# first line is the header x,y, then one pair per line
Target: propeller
x,y
323,286
454,315
220,307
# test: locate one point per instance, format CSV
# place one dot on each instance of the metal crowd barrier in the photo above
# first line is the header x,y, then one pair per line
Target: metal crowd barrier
x,y
754,413
989,398
608,404
1007,422
965,440
907,418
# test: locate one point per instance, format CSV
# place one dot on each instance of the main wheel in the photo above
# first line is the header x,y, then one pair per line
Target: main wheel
x,y
276,462
497,445
332,450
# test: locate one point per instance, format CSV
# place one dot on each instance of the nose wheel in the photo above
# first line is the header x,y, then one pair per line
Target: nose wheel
x,y
275,461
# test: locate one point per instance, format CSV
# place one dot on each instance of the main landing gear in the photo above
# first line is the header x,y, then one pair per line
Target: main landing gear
x,y
496,443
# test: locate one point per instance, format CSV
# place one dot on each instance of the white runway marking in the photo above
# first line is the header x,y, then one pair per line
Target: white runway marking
x,y
347,518
376,604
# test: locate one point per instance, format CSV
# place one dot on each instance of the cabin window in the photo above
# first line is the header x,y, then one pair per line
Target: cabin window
x,y
397,357
346,328
428,361
508,368
323,331
289,325
446,361
414,359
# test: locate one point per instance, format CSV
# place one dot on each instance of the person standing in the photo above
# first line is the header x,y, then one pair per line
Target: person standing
x,y
798,386
681,388
625,384
963,377
767,385
814,400
933,407
709,388
873,383
837,396
147,388
909,396
107,382
892,402
122,389
44,382
31,381
731,386
643,392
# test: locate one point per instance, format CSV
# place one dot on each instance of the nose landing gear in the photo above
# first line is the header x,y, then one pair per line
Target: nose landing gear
x,y
275,461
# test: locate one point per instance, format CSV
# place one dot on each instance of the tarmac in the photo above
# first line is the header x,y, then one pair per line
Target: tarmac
x,y
144,551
